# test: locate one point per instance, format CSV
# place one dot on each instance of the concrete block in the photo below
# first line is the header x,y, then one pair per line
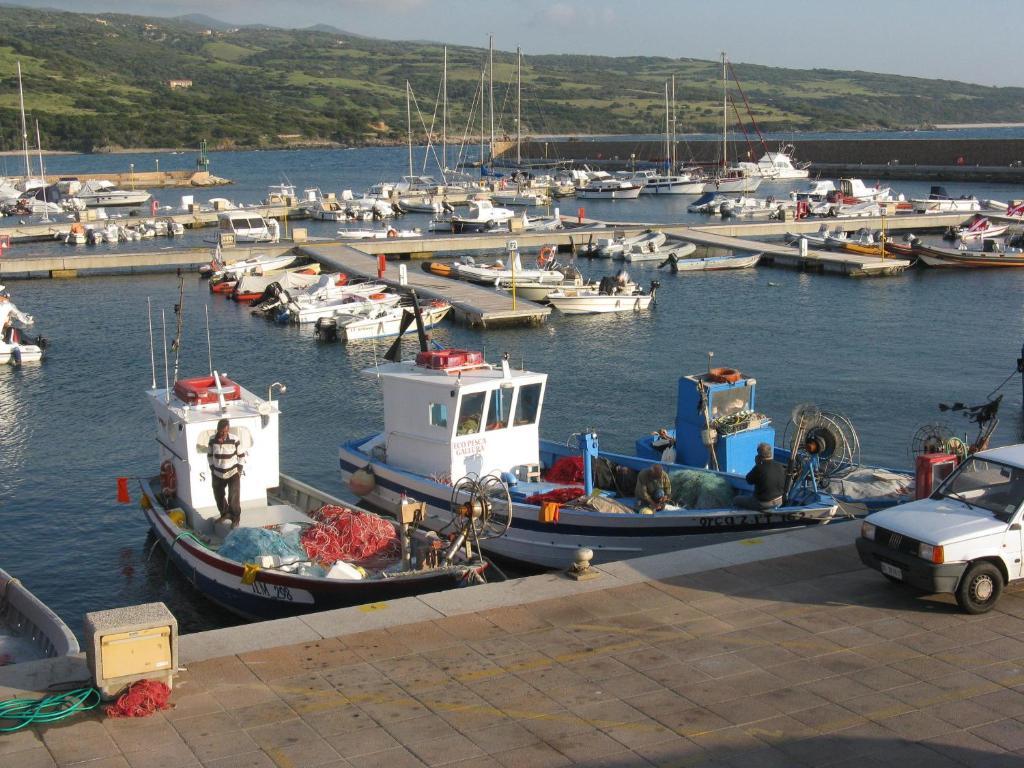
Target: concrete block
x,y
124,645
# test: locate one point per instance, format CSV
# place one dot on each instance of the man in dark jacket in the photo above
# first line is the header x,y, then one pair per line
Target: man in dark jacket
x,y
769,480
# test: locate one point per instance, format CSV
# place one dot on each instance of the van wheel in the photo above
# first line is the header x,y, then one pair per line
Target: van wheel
x,y
979,588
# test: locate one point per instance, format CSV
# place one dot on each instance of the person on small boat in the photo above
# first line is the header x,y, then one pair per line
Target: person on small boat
x,y
653,489
769,480
226,458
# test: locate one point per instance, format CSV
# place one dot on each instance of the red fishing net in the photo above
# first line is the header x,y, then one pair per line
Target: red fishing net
x,y
351,535
560,495
567,469
141,699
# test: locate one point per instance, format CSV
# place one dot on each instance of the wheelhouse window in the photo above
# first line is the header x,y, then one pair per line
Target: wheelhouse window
x,y
439,415
499,408
999,488
527,404
471,413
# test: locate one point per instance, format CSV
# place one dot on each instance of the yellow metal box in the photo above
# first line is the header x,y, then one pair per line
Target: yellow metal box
x,y
125,645
131,653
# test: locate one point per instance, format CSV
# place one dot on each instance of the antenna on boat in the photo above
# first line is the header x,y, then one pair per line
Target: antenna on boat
x,y
179,311
152,353
209,346
167,384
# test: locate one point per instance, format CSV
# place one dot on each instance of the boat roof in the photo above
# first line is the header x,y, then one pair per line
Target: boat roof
x,y
1007,454
481,376
248,404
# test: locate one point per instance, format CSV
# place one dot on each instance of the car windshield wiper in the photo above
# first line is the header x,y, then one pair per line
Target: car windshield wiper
x,y
959,497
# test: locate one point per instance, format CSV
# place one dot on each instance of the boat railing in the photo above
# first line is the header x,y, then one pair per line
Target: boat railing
x,y
304,497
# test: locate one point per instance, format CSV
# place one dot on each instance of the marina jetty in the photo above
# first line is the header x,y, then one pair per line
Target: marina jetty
x,y
779,650
947,159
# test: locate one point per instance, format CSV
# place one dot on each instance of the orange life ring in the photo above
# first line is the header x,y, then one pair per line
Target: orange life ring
x,y
168,479
392,233
378,296
724,375
546,256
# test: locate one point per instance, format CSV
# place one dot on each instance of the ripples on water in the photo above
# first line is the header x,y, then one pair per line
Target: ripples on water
x,y
885,352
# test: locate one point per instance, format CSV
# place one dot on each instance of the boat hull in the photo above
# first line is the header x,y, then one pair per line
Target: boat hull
x,y
275,594
712,263
366,328
599,304
552,545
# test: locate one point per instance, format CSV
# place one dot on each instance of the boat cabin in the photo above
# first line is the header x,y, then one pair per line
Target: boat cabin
x,y
450,414
246,226
187,416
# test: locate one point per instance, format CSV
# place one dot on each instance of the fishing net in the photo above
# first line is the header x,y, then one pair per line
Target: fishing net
x,y
567,469
350,535
560,495
694,489
141,699
247,545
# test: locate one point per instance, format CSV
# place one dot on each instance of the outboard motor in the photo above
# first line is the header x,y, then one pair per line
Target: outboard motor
x,y
326,329
655,285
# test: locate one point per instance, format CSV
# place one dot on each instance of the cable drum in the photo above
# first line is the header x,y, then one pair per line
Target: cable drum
x,y
828,436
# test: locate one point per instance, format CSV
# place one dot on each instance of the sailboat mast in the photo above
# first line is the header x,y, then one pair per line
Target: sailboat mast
x,y
444,115
725,116
668,145
24,127
482,73
672,148
408,123
519,106
490,70
42,173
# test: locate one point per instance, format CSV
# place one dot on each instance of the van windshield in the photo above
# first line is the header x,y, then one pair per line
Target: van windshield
x,y
990,485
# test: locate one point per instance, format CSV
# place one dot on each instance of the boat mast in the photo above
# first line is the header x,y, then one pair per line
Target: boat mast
x,y
672,149
482,73
668,146
24,127
42,173
490,72
408,124
725,116
519,106
444,115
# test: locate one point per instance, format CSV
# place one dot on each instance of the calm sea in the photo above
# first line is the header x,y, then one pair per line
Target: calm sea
x,y
884,352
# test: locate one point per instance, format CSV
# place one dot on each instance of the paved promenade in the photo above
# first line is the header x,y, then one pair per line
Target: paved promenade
x,y
776,651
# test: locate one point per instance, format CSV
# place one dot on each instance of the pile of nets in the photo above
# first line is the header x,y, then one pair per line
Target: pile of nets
x,y
351,535
141,699
560,495
567,469
247,545
696,489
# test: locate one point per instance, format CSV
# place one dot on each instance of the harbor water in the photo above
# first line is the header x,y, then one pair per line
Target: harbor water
x,y
884,352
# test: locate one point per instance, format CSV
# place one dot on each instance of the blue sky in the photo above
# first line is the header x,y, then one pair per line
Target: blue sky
x,y
975,42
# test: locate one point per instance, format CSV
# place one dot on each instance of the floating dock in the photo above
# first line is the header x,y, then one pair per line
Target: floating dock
x,y
472,304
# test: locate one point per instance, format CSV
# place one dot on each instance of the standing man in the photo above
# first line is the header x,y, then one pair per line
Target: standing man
x,y
769,480
226,457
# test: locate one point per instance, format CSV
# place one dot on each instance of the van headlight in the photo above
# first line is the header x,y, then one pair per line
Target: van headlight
x,y
932,553
867,530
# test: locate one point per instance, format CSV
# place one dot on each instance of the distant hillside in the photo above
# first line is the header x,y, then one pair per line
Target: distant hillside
x,y
99,81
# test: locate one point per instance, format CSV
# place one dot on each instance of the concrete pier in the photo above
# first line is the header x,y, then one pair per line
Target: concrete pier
x,y
780,650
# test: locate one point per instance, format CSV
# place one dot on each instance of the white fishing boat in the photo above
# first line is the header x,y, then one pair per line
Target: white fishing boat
x,y
457,432
638,254
247,227
502,273
13,322
423,204
327,208
590,300
254,265
100,192
529,198
667,184
853,191
712,263
779,166
483,216
29,630
387,321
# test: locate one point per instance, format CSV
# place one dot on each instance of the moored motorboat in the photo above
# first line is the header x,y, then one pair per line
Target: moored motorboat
x,y
390,233
979,228
13,322
710,263
483,216
296,549
993,254
617,295
502,274
29,630
636,254
610,189
451,420
613,247
387,321
253,287
939,201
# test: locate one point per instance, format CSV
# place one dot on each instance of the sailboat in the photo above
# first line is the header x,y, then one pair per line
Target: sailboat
x,y
668,183
729,179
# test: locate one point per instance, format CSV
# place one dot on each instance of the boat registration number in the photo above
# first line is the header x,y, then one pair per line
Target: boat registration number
x,y
891,570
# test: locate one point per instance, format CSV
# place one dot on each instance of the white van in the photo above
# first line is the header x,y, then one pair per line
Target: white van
x,y
965,539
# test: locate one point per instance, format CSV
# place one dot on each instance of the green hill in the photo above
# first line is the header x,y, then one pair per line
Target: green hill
x,y
99,81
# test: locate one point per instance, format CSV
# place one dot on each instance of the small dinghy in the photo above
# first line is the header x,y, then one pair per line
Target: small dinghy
x,y
711,263
13,322
28,629
613,294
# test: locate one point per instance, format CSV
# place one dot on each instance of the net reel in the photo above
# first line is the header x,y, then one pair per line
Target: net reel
x,y
824,445
481,509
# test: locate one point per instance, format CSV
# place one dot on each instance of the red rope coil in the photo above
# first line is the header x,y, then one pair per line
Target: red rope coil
x,y
351,535
141,699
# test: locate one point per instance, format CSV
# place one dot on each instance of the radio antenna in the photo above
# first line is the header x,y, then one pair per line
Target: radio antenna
x,y
167,385
179,311
209,347
152,353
